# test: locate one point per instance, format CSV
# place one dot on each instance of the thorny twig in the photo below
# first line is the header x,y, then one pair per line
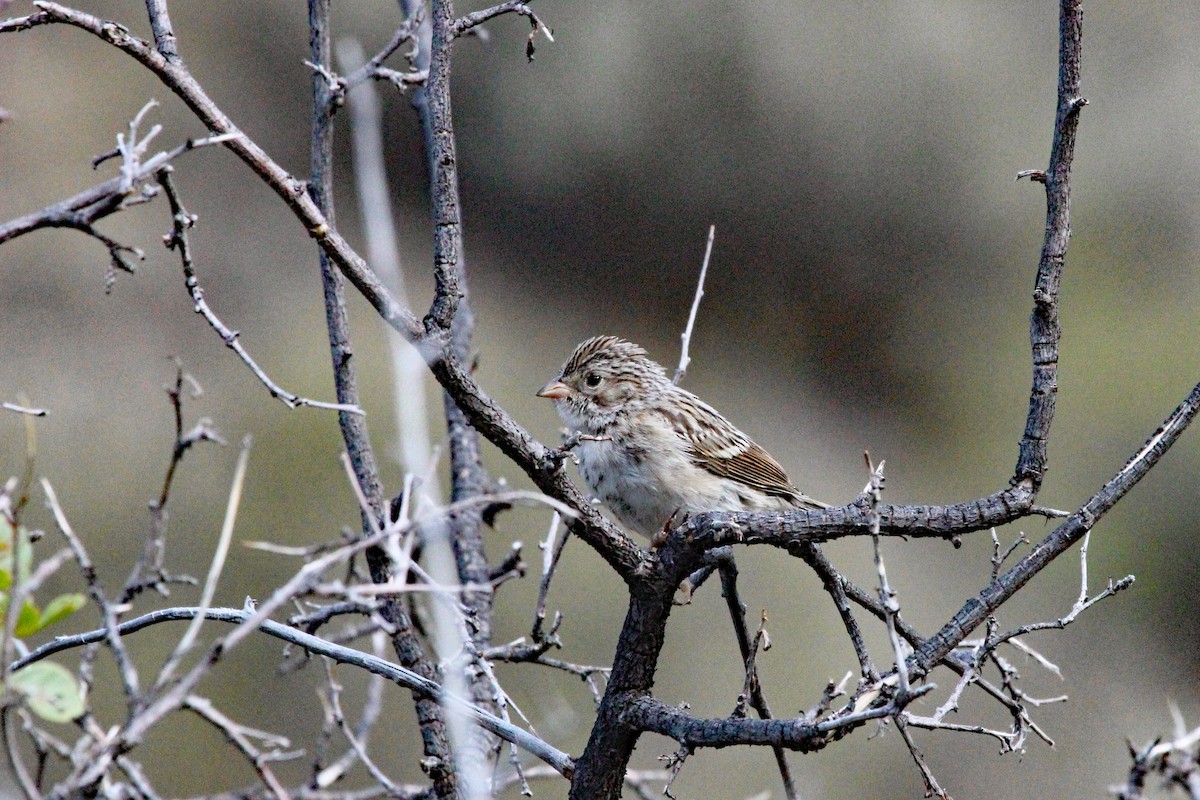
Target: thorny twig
x,y
177,240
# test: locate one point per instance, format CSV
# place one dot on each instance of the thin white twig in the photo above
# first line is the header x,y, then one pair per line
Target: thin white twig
x,y
220,556
33,412
684,358
887,597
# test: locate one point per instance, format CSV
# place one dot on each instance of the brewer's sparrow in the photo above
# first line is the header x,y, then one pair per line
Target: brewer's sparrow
x,y
652,451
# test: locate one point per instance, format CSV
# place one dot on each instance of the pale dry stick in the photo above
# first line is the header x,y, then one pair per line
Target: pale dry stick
x,y
168,701
684,358
401,556
239,736
220,556
409,371
552,549
15,758
969,675
1183,741
112,637
177,240
312,569
1009,741
33,412
393,672
132,149
887,597
137,778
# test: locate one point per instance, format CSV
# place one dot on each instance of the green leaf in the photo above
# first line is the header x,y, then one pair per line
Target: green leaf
x,y
51,690
60,608
5,578
28,621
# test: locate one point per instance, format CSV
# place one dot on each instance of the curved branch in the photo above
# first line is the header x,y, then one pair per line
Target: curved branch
x,y
976,610
557,759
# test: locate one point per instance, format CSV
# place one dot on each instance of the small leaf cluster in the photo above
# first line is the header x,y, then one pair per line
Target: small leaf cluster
x,y
50,690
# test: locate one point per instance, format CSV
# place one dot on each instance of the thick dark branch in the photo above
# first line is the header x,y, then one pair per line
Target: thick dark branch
x,y
600,769
451,313
647,714
405,641
708,531
1044,328
447,221
977,609
543,465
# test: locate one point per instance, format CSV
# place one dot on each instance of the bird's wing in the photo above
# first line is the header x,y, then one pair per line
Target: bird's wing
x,y
715,445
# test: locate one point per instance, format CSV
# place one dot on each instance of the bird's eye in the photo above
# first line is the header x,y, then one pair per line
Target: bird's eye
x,y
592,380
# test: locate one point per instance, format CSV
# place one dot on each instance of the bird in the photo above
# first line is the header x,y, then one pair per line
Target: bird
x,y
655,453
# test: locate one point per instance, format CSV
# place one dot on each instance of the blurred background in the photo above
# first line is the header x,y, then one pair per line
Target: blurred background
x,y
869,290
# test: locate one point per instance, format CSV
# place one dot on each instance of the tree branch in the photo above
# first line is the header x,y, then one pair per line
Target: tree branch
x,y
345,655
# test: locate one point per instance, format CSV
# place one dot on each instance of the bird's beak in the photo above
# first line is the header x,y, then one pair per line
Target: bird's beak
x,y
555,390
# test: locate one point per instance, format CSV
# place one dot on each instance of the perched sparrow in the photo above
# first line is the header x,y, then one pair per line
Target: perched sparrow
x,y
652,450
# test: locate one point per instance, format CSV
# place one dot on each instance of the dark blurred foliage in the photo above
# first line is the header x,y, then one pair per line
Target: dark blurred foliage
x,y
870,289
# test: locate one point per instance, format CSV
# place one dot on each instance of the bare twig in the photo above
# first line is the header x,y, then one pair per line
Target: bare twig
x,y
220,554
552,549
684,358
887,597
467,23
932,788
33,412
108,611
246,618
752,691
177,240
91,205
331,699
240,736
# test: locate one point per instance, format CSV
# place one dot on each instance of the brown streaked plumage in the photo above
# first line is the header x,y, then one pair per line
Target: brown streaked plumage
x,y
660,450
